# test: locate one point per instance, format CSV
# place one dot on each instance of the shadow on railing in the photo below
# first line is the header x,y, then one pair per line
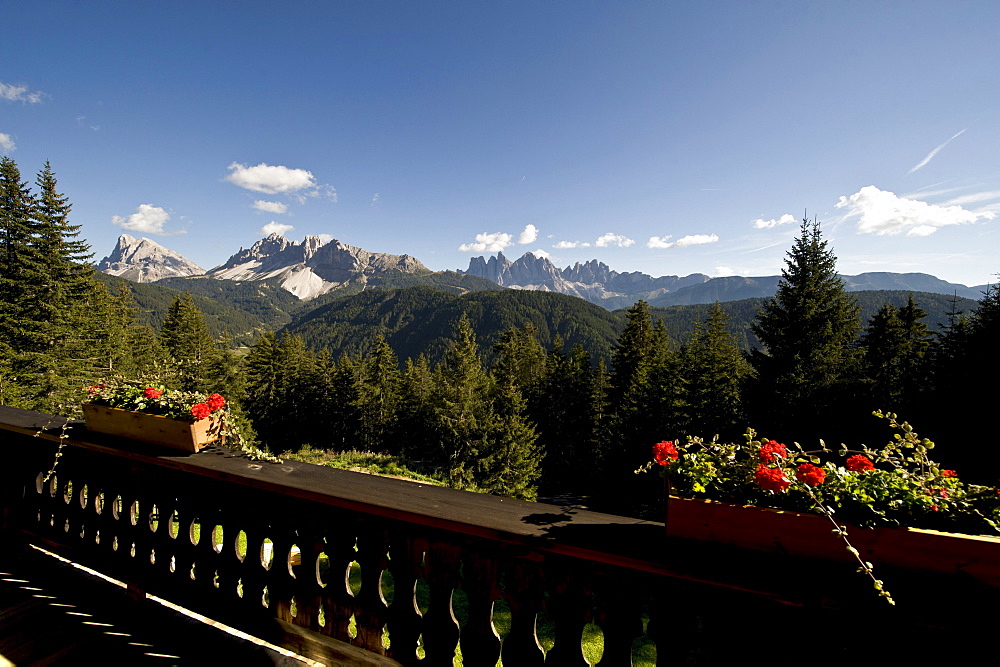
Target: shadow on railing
x,y
342,566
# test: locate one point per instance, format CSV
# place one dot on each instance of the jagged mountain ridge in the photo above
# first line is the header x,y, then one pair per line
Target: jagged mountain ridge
x,y
600,284
145,261
594,281
311,268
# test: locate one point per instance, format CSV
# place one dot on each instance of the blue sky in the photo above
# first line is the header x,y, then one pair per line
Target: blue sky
x,y
662,137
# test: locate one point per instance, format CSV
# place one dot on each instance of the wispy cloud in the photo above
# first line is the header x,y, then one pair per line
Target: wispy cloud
x,y
487,242
563,245
20,93
881,212
930,156
529,235
275,228
270,206
973,198
147,219
374,199
612,239
684,241
6,143
786,219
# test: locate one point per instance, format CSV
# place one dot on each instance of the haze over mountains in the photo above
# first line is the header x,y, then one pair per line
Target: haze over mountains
x,y
316,266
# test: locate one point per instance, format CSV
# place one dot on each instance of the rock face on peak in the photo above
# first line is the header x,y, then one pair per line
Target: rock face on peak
x,y
312,267
145,261
594,281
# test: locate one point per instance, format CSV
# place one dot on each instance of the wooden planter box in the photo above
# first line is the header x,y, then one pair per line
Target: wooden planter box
x,y
185,434
810,536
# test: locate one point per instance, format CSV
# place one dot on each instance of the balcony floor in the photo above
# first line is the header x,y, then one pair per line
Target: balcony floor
x,y
52,613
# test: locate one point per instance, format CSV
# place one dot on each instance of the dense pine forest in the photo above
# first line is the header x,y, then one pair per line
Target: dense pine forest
x,y
501,391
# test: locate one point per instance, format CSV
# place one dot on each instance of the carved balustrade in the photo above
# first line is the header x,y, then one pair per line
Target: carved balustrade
x,y
317,559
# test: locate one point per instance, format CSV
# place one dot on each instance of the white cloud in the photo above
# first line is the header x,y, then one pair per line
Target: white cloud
x,y
725,271
529,235
374,199
611,239
6,143
930,156
270,206
786,219
883,212
270,179
570,244
275,228
684,241
541,253
20,93
488,243
147,219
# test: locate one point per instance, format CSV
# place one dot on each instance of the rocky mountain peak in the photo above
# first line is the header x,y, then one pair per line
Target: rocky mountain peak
x,y
144,261
312,267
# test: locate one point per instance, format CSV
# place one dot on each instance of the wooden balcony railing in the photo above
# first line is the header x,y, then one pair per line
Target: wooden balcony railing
x,y
326,562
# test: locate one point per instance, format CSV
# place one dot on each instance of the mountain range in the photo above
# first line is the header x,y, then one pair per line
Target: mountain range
x,y
315,267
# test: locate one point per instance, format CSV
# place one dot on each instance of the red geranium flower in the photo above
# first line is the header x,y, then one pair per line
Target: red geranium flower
x,y
949,473
771,449
152,392
665,452
215,401
810,474
771,479
860,463
200,410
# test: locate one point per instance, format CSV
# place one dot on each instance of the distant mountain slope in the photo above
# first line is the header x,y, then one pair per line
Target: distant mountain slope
x,y
419,320
680,320
265,300
145,261
153,301
599,284
735,287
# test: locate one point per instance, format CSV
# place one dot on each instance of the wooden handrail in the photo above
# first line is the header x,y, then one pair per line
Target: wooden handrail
x,y
129,510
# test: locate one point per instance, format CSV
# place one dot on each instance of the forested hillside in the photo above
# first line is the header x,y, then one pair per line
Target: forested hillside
x,y
502,391
421,320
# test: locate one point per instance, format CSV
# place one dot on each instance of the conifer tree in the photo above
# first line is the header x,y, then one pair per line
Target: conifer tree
x,y
263,397
185,337
807,330
895,346
511,461
462,407
341,425
21,271
714,372
130,348
565,411
379,397
417,417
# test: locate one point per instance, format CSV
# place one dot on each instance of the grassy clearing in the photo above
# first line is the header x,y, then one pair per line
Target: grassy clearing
x,y
385,465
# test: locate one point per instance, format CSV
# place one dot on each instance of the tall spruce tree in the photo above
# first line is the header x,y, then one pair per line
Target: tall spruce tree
x,y
808,328
22,338
642,409
185,337
462,407
379,396
895,346
715,372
